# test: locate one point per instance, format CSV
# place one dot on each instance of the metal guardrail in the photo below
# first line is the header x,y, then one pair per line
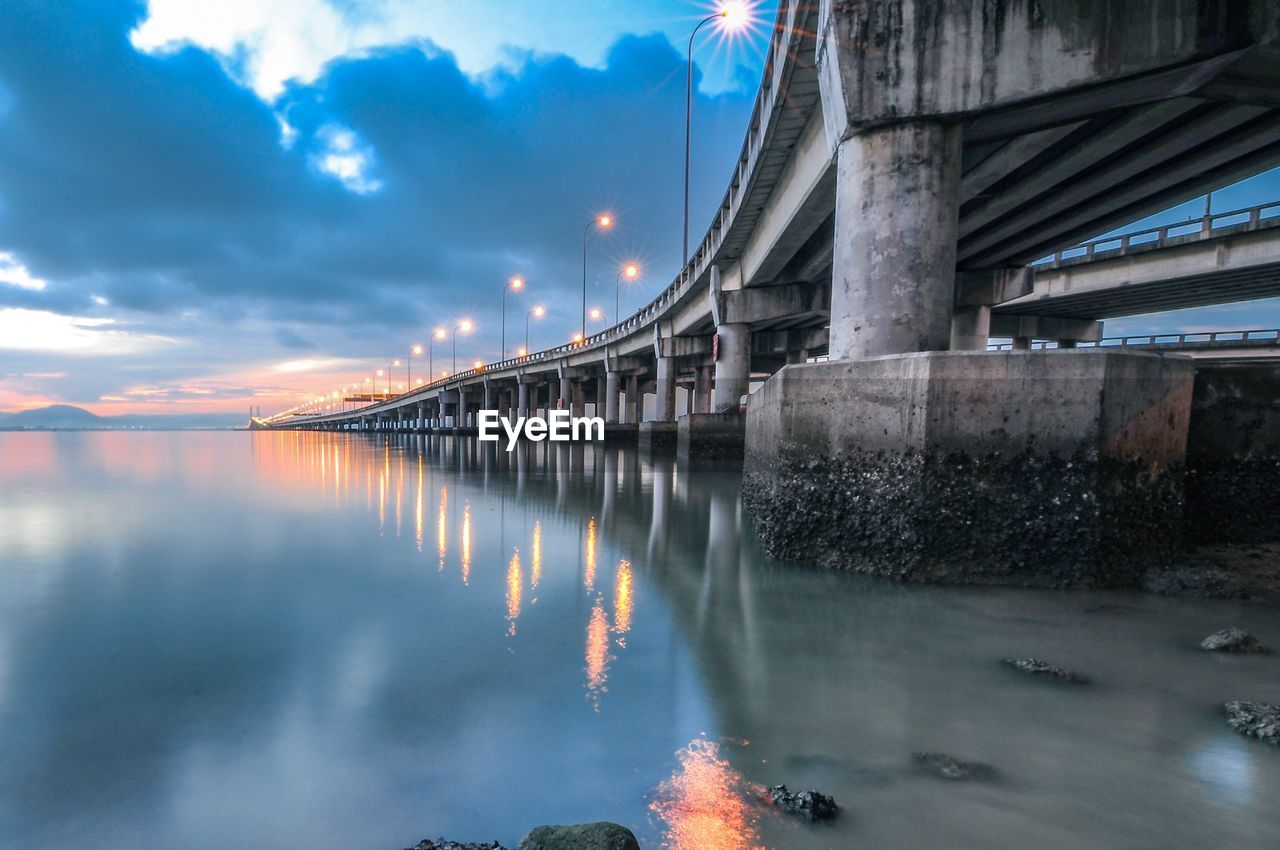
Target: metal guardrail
x,y
1206,227
1204,339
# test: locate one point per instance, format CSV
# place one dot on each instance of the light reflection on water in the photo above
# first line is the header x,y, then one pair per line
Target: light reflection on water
x,y
212,640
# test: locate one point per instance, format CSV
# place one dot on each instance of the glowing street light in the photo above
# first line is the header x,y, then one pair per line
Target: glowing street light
x,y
734,15
438,333
515,284
417,349
537,313
464,326
394,364
604,222
630,271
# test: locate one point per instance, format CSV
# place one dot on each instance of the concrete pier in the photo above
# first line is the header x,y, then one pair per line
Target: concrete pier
x,y
1038,468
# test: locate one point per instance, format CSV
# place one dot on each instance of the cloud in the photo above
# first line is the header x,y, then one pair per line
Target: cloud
x,y
35,330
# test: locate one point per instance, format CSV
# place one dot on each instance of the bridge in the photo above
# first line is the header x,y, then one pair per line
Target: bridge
x,y
907,168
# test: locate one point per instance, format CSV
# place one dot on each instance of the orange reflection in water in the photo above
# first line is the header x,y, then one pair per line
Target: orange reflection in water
x,y
622,600
706,804
417,509
442,528
597,653
466,543
589,578
537,555
513,593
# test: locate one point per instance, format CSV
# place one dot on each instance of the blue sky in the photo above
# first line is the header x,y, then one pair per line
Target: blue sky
x,y
210,205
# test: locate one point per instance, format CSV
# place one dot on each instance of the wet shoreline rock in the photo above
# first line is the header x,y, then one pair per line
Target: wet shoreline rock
x,y
442,844
1043,669
601,835
1232,640
1255,719
810,805
947,767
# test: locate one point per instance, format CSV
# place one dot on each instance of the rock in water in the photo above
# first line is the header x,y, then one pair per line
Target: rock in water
x,y
1232,640
809,805
947,767
442,844
601,835
1256,719
1036,667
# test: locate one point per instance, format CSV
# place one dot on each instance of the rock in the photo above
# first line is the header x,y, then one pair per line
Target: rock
x,y
1256,719
1036,667
1210,582
1232,640
442,844
600,835
810,805
941,764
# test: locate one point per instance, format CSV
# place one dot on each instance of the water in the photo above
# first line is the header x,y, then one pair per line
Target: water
x,y
308,640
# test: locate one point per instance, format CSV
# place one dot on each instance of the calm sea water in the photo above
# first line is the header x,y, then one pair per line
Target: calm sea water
x,y
213,640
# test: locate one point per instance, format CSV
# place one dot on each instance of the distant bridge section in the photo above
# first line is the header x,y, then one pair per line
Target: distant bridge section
x,y
1225,257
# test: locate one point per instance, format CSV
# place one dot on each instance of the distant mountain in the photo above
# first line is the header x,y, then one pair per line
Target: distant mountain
x,y
67,417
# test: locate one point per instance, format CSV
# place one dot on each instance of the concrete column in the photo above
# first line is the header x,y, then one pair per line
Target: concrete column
x,y
1022,343
490,394
798,356
611,398
633,408
733,366
460,415
897,205
579,395
422,414
601,389
566,393
702,389
522,400
970,328
666,411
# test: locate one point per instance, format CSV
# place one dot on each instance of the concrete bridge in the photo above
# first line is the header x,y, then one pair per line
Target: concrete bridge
x,y
905,162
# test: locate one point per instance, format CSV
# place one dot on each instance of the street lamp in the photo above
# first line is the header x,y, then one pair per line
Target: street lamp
x,y
465,327
394,364
417,349
537,313
516,283
604,222
631,271
733,15
375,383
438,333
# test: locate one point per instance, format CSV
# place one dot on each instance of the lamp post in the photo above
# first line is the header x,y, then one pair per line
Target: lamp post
x,y
438,333
408,371
734,15
378,374
631,271
537,312
516,283
603,222
465,327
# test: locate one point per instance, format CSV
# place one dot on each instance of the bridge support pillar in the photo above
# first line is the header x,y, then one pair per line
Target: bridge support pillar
x,y
611,397
522,401
460,412
490,396
702,389
733,366
566,393
633,411
970,328
897,208
666,389
1036,467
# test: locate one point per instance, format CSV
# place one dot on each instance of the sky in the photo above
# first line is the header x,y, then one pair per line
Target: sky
x,y
207,206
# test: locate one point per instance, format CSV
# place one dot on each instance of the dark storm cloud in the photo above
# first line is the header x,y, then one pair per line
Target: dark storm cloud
x,y
160,183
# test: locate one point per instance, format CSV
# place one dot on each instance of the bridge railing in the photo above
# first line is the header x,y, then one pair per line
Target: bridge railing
x,y
1262,337
1205,227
